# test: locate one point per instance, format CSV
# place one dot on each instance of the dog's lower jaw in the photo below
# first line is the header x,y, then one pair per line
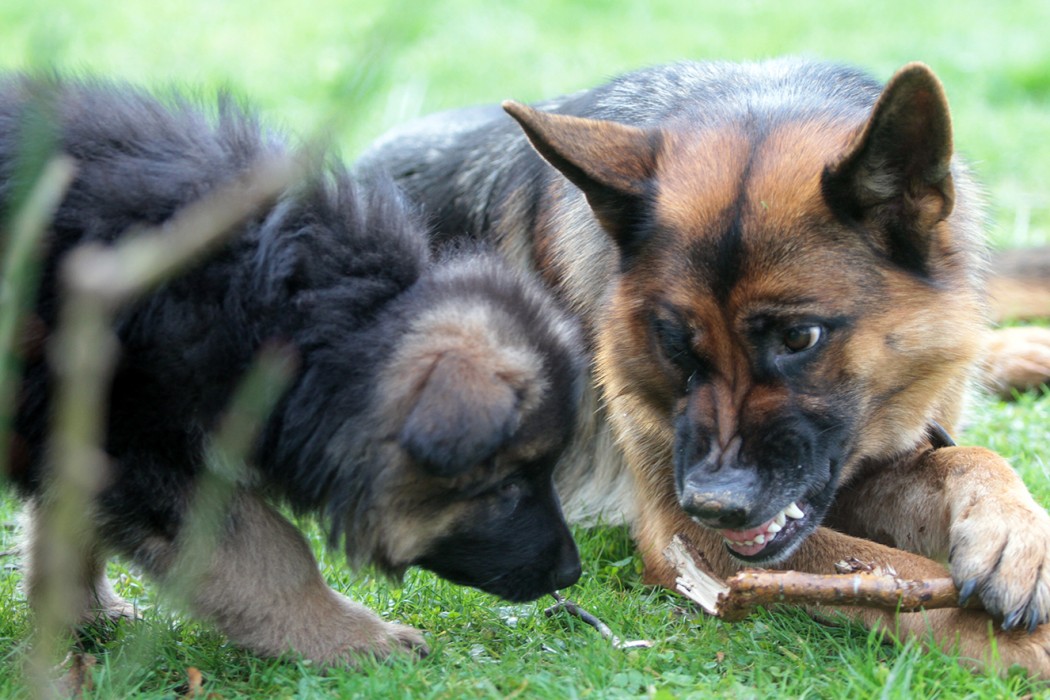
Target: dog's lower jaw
x,y
757,554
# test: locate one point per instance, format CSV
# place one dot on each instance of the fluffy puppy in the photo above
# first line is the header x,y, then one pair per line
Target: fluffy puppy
x,y
432,400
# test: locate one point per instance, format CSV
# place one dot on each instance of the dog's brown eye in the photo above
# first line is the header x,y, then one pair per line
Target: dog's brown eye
x,y
802,338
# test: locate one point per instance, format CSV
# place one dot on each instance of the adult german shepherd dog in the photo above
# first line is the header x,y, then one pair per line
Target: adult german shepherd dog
x,y
779,268
432,399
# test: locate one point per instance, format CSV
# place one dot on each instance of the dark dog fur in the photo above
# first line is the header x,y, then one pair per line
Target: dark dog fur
x,y
780,270
432,399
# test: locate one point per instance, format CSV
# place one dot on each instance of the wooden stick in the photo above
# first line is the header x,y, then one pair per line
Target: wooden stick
x,y
864,585
695,580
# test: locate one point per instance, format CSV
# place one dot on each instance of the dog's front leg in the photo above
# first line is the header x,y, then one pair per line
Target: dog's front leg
x,y
965,505
970,634
261,586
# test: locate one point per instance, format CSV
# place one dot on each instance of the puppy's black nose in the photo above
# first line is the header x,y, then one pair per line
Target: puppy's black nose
x,y
568,569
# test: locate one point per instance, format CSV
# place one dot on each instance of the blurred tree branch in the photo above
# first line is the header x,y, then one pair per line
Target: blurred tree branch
x,y
19,280
96,282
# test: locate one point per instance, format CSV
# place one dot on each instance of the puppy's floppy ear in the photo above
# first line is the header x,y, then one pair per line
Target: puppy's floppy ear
x,y
463,413
896,176
611,163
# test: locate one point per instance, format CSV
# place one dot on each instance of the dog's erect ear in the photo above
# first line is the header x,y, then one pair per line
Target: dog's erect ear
x,y
462,415
897,175
611,163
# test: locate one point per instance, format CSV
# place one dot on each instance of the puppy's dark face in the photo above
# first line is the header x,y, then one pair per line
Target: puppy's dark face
x,y
791,300
497,527
507,538
482,400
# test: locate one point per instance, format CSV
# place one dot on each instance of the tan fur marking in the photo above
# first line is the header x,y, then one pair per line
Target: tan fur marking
x,y
482,364
1018,299
787,170
700,177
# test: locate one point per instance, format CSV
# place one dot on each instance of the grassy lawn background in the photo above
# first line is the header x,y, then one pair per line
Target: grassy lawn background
x,y
352,69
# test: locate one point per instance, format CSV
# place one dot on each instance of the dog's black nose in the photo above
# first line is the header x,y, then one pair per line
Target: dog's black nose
x,y
722,499
568,569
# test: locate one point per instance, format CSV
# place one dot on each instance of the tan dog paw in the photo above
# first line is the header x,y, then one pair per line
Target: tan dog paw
x,y
405,639
361,634
1000,552
965,634
1017,358
330,629
105,605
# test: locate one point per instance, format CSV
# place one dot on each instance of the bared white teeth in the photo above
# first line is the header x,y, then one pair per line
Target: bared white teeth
x,y
774,526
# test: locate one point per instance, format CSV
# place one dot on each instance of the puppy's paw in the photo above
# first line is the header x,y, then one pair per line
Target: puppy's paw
x,y
1000,552
402,639
1017,358
104,605
113,611
342,632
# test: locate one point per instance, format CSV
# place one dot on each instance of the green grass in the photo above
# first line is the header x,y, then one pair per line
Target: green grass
x,y
353,69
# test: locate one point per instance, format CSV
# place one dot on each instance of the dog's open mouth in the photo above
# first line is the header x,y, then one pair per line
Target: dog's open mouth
x,y
769,539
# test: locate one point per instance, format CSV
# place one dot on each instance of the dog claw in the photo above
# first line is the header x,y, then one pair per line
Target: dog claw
x,y
967,591
1011,620
1028,618
1034,620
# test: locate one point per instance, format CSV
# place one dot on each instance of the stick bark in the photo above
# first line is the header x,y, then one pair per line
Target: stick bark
x,y
864,585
